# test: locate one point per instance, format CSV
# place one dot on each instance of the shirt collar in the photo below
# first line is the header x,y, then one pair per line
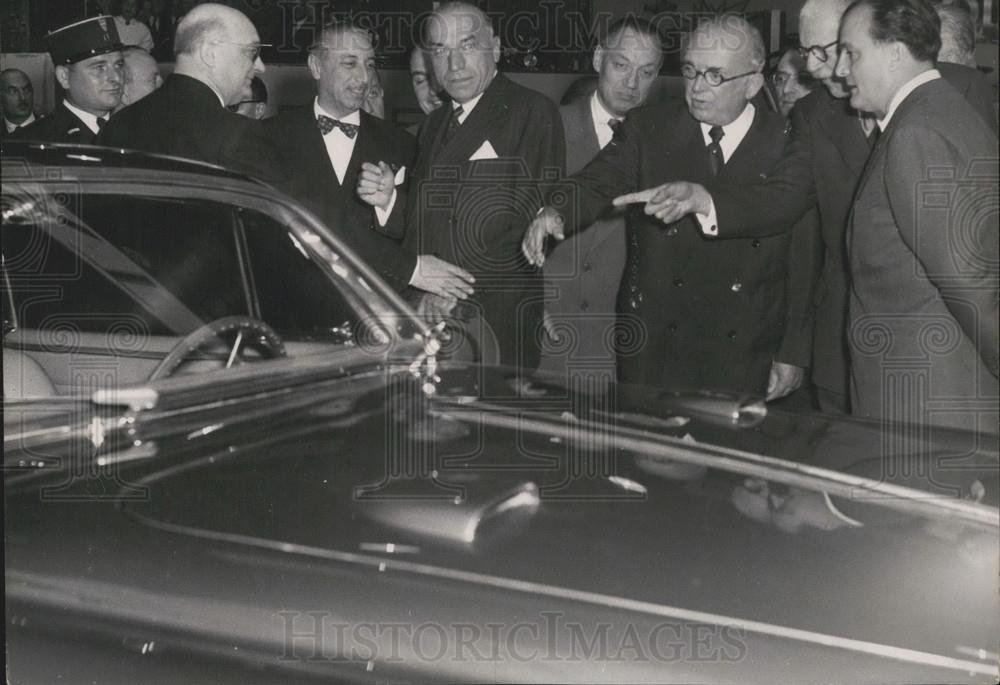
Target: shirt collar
x,y
10,125
599,113
736,129
908,87
352,118
86,117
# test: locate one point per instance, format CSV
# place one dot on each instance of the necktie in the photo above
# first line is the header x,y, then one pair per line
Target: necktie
x,y
616,127
453,124
100,122
873,137
327,124
715,158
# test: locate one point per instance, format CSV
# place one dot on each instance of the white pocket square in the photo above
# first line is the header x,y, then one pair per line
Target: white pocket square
x,y
400,177
485,151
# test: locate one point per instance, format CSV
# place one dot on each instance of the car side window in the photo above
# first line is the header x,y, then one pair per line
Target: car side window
x,y
90,262
295,295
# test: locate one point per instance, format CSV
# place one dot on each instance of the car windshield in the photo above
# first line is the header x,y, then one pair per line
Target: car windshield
x,y
113,286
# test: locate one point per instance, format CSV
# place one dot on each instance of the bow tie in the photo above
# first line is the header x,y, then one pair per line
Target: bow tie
x,y
326,124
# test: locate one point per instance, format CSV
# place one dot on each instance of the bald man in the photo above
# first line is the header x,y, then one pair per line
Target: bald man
x,y
18,98
218,54
694,313
142,75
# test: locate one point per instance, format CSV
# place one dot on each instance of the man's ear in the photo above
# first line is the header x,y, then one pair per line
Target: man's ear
x,y
206,51
754,83
496,49
313,62
598,58
62,76
895,55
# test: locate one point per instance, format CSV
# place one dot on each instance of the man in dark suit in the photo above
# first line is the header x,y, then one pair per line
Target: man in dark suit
x,y
825,155
583,272
710,314
89,67
349,166
18,98
218,54
923,310
476,180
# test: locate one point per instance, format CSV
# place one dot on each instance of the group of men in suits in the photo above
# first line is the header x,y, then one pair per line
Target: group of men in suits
x,y
682,265
906,315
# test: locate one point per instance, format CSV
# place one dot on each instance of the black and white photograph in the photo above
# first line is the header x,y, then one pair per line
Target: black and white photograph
x,y
496,341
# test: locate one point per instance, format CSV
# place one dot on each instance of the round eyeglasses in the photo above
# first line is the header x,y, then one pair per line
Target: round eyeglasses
x,y
712,76
819,52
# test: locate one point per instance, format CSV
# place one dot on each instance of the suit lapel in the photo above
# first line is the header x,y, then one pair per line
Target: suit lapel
x,y
488,113
844,128
580,128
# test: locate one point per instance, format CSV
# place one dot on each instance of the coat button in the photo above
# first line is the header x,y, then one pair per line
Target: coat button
x,y
672,326
586,266
672,231
736,287
678,281
584,306
755,243
731,335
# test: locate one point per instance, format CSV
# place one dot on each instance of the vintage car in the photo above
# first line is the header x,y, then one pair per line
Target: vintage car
x,y
233,455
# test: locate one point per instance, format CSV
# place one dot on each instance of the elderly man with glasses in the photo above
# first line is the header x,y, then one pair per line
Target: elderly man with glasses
x,y
829,146
694,313
218,55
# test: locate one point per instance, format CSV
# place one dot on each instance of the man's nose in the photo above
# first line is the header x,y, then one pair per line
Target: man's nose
x,y
456,60
258,65
842,68
632,80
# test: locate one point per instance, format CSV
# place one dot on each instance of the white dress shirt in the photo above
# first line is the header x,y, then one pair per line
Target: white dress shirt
x,y
134,32
908,87
340,148
735,131
86,117
11,126
601,117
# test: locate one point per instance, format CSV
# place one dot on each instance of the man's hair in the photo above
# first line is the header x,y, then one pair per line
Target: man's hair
x,y
813,10
191,35
337,27
914,23
958,24
745,35
643,27
460,8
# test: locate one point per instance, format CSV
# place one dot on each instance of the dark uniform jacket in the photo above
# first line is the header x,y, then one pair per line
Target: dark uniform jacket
x,y
695,312
923,251
61,126
473,213
310,178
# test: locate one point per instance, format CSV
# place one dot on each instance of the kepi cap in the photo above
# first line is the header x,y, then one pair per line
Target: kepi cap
x,y
87,38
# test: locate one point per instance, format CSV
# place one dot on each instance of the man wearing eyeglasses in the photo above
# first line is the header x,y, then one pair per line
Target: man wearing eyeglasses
x,y
829,145
701,313
218,54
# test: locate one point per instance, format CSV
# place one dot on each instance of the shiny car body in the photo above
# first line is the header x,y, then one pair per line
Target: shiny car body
x,y
359,509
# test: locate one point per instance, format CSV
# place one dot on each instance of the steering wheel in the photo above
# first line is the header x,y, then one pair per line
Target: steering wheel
x,y
264,336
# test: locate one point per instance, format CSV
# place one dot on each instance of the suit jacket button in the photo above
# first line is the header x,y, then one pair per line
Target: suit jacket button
x,y
736,287
678,281
672,231
755,243
672,326
586,266
584,306
731,335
